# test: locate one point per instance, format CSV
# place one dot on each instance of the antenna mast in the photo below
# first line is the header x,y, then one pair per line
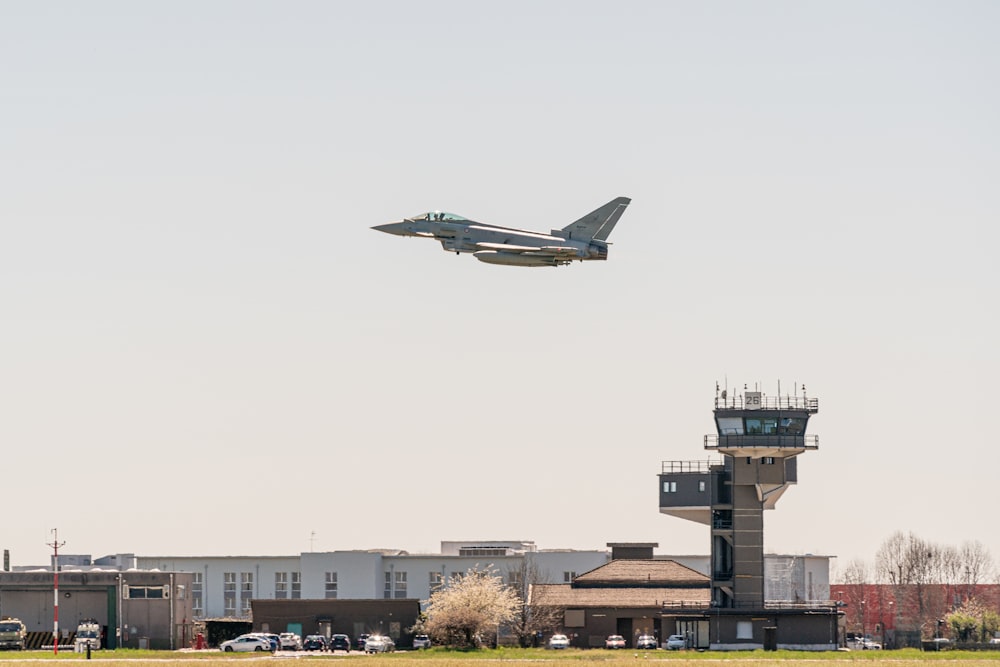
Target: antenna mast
x,y
55,544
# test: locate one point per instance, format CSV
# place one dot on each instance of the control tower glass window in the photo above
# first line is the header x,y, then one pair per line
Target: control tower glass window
x,y
730,426
754,427
770,426
792,426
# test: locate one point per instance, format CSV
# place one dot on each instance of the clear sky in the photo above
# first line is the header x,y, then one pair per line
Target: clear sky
x,y
207,350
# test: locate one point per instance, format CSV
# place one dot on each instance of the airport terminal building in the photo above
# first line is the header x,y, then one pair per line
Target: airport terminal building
x,y
188,589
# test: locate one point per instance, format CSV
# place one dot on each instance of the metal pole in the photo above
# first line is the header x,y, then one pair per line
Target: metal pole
x,y
55,589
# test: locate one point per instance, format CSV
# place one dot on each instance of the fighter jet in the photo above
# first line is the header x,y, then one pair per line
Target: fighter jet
x,y
585,239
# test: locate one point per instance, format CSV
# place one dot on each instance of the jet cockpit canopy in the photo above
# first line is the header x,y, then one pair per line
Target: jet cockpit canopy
x,y
439,216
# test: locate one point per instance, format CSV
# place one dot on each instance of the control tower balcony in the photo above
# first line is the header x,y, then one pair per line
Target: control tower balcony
x,y
761,445
689,489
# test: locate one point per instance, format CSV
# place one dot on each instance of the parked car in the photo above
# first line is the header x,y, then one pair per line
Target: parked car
x,y
675,642
421,641
379,644
614,641
290,641
314,643
646,642
273,640
558,641
245,643
359,643
340,643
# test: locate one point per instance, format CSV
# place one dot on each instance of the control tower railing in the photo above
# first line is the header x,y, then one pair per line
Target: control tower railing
x,y
715,441
689,466
737,402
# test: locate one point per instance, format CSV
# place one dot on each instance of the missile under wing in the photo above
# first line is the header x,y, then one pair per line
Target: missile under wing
x,y
585,239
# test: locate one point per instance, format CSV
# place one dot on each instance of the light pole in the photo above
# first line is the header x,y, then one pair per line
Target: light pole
x,y
892,616
55,544
864,633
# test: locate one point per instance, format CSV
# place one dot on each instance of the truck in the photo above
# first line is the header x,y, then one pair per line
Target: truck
x,y
12,633
88,634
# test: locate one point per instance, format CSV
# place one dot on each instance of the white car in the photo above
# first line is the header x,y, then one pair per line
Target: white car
x,y
675,642
646,642
245,643
421,641
379,644
558,641
289,641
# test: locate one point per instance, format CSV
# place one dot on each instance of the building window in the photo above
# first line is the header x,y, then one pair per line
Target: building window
x,y
229,593
280,585
767,460
792,426
435,580
144,592
296,585
400,592
331,585
197,591
514,579
701,485
483,551
568,577
246,591
670,487
744,630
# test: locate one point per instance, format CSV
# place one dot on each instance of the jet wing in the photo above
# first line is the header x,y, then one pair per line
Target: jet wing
x,y
548,250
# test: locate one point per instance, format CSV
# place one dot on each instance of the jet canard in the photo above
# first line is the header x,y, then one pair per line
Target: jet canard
x,y
585,239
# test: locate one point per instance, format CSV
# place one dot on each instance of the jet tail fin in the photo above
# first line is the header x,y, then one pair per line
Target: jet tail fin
x,y
598,224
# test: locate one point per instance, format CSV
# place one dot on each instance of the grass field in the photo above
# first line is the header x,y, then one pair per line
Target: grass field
x,y
440,657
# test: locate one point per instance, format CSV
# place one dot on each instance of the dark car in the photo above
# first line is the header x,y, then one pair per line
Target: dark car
x,y
314,643
359,643
340,643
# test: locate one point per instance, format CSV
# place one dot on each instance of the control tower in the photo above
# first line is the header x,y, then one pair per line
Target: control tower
x,y
758,438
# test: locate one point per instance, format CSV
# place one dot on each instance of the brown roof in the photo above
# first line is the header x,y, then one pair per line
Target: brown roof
x,y
642,574
565,595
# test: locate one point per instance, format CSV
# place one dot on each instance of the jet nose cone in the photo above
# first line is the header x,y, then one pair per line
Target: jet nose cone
x,y
397,228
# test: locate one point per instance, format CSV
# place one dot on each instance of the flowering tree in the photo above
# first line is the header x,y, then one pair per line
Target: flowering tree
x,y
470,607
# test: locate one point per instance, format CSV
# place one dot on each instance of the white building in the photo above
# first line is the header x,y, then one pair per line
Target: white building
x,y
224,585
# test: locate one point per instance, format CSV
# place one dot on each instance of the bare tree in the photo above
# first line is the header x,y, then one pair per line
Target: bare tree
x,y
914,567
537,617
977,565
855,577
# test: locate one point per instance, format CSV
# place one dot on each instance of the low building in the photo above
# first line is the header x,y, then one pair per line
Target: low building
x,y
625,597
328,617
134,609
